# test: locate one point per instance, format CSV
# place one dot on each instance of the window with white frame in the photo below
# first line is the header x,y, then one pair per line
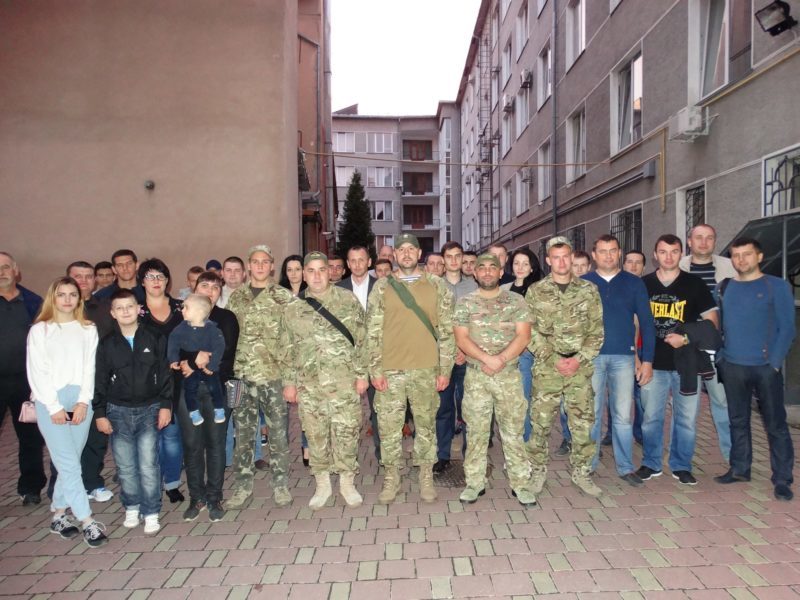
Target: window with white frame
x,y
506,200
505,65
504,4
543,183
506,134
523,182
380,143
522,28
380,177
381,210
495,26
627,90
576,30
714,45
384,240
521,110
496,213
576,145
493,91
344,141
343,175
544,76
781,182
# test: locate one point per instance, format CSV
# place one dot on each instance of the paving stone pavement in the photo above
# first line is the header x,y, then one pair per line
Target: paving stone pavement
x,y
663,540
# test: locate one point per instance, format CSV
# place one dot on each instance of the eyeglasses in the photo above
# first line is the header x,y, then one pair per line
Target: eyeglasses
x,y
155,277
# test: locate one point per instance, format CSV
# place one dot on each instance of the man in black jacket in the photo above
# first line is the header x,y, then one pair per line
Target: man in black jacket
x,y
132,401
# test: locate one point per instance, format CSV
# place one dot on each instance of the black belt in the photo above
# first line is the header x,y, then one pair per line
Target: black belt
x,y
567,355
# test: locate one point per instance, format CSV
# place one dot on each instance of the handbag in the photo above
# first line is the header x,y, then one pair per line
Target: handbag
x,y
27,413
234,388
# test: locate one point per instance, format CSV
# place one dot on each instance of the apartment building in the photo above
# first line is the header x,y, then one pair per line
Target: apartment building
x,y
407,188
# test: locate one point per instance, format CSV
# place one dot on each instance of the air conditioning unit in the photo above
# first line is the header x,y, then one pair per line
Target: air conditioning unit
x,y
526,78
527,174
508,103
398,185
687,124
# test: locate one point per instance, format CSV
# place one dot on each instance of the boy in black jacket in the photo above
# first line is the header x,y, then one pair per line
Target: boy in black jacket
x,y
132,401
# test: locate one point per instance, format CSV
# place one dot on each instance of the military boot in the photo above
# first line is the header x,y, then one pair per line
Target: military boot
x,y
426,490
349,491
282,495
583,480
391,485
538,477
323,491
239,498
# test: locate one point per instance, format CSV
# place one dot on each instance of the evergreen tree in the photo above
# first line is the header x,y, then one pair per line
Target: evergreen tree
x,y
356,226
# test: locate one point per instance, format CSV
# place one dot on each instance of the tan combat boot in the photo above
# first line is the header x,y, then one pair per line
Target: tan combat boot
x,y
239,498
323,491
538,477
348,490
426,489
583,480
391,485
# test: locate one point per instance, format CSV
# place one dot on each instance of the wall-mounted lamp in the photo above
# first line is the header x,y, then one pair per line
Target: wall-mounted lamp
x,y
774,18
149,185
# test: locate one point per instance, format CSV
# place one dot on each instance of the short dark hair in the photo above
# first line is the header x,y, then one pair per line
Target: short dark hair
x,y
333,257
195,269
235,259
81,264
639,252
121,294
498,245
670,239
357,248
152,264
470,253
124,252
747,241
210,277
606,237
439,254
383,261
103,264
581,254
452,245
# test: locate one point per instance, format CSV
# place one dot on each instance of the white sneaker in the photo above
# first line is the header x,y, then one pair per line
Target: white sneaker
x,y
101,494
131,518
151,524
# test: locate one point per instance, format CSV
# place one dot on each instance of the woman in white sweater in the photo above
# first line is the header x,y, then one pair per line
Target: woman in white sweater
x,y
61,365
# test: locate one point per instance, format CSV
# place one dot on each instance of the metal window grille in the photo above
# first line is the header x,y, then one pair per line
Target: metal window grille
x,y
626,226
695,207
577,237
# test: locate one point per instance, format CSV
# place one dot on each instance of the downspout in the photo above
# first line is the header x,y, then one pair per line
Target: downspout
x,y
319,116
554,104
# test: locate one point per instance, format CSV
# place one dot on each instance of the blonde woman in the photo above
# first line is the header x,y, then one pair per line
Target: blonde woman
x,y
61,367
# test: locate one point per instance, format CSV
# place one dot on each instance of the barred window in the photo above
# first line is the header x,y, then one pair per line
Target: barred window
x,y
626,226
695,207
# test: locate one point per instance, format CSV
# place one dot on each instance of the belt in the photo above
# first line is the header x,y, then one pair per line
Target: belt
x,y
567,354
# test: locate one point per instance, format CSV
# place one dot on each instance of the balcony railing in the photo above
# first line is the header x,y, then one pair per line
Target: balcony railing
x,y
420,155
422,226
430,191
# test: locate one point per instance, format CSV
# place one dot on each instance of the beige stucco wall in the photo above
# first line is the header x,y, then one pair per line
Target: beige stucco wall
x,y
98,97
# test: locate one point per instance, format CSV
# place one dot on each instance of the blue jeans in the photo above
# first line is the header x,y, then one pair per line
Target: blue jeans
x,y
170,455
446,414
767,383
613,379
684,422
562,417
229,441
638,415
526,370
135,445
719,413
213,384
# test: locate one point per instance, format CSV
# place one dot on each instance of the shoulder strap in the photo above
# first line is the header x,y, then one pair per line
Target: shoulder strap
x,y
408,299
328,316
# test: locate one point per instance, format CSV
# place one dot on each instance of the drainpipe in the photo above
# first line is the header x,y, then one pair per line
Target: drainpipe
x,y
553,106
318,150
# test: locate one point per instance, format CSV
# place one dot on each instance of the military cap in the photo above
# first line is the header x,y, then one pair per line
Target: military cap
x,y
260,248
488,257
406,238
316,255
559,240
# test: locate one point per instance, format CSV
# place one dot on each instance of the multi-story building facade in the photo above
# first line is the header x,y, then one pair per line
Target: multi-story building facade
x,y
407,187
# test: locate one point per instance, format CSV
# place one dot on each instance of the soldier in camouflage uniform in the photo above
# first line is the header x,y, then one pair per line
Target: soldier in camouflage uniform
x,y
259,307
411,354
567,336
326,373
492,327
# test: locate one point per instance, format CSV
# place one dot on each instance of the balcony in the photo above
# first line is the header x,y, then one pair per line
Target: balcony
x,y
432,225
415,191
420,156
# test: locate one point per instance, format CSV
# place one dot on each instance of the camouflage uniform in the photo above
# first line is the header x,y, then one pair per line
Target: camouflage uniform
x,y
258,365
564,323
492,326
324,365
418,384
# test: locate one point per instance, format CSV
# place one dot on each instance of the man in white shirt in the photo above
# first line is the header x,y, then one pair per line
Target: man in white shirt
x,y
234,276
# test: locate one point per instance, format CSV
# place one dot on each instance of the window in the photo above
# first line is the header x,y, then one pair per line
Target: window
x,y
493,91
495,26
626,226
543,158
496,213
380,176
344,141
417,150
522,28
782,182
380,143
576,145
612,5
523,182
576,30
521,110
695,207
544,76
540,6
504,4
447,130
344,175
577,237
381,211
507,134
505,65
628,92
384,240
713,45
506,202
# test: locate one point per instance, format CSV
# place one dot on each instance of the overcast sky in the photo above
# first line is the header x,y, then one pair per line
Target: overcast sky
x,y
399,57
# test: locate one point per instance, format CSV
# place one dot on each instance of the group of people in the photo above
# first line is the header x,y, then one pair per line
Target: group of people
x,y
456,339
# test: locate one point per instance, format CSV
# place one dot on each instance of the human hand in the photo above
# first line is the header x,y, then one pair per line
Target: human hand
x,y
104,425
380,384
362,385
202,359
290,394
79,413
441,383
164,417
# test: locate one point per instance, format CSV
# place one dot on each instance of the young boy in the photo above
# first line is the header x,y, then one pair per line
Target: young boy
x,y
197,333
132,401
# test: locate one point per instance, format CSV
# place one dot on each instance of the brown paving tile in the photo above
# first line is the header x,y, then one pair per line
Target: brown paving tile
x,y
279,556
206,576
424,550
110,580
395,569
358,538
546,545
615,580
682,557
331,555
434,567
169,594
456,548
269,592
301,573
410,589
717,576
527,563
188,558
339,572
573,581
370,590
149,579
318,591
50,583
244,575
367,552
625,559
677,578
488,565
514,546
778,574
717,594
391,536
242,558
512,584
585,561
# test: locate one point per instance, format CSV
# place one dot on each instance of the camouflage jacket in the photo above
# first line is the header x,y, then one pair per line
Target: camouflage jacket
x,y
312,346
565,322
257,353
443,324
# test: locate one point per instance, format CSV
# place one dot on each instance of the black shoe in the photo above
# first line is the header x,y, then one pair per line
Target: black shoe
x,y
64,527
646,473
731,477
441,465
632,479
29,499
565,448
191,513
215,512
175,496
783,492
606,441
685,477
93,534
261,465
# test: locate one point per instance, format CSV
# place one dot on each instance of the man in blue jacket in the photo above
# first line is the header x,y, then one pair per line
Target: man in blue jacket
x,y
758,325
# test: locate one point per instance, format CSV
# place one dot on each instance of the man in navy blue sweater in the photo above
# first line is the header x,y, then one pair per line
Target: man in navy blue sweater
x,y
758,324
624,297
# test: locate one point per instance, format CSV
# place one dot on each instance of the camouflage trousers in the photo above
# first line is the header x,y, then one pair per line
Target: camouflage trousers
x,y
267,397
501,393
419,386
549,387
330,411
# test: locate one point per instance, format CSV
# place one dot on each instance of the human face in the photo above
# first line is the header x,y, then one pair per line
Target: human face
x,y
8,272
191,279
294,272
193,312
668,256
521,266
125,268
453,259
468,265
233,274
104,278
702,241
85,278
386,252
336,269
358,262
383,270
634,264
606,257
407,256
560,260
488,275
746,260
155,284
125,311
501,255
435,265
317,276
260,267
66,301
580,266
210,289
